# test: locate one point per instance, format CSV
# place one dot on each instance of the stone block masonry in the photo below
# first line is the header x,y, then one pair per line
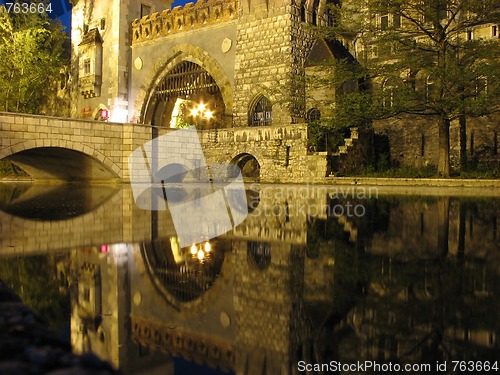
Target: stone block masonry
x,y
272,45
281,150
179,19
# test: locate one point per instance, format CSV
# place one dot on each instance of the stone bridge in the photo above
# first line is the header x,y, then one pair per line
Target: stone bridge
x,y
82,150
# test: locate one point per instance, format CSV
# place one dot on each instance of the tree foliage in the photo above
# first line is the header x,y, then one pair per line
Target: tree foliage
x,y
32,56
420,58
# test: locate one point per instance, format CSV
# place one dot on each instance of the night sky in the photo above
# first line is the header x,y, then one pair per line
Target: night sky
x,y
64,10
182,2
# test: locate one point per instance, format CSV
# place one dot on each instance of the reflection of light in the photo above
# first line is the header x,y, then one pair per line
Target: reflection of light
x,y
201,255
201,250
176,250
193,249
104,249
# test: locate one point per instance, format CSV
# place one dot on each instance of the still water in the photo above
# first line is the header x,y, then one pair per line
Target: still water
x,y
315,280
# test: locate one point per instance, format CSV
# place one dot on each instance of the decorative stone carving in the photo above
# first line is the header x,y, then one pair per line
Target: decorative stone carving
x,y
226,45
191,16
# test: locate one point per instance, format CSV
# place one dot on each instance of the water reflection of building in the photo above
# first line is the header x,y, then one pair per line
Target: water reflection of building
x,y
100,300
288,285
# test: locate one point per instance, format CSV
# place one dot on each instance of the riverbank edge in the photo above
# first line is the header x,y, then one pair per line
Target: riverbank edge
x,y
29,346
345,181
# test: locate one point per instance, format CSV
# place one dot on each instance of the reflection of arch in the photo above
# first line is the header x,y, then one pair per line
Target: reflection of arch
x,y
179,275
260,113
248,164
173,172
175,56
54,202
259,254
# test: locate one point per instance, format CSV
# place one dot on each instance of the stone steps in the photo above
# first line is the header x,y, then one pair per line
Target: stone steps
x,y
348,227
348,143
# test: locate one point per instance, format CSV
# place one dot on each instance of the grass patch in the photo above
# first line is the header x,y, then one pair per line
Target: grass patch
x,y
478,173
401,172
7,169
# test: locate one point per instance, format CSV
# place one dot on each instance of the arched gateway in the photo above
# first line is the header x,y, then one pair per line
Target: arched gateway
x,y
186,95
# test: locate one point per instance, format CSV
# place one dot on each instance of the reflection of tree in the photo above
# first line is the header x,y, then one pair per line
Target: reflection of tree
x,y
409,306
427,310
36,281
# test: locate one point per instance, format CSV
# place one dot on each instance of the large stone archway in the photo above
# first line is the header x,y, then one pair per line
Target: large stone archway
x,y
63,160
182,54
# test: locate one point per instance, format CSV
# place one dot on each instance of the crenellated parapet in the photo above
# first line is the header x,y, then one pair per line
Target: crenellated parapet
x,y
180,19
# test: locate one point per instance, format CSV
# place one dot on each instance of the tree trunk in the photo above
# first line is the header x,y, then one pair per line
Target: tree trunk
x,y
444,148
443,228
462,218
463,142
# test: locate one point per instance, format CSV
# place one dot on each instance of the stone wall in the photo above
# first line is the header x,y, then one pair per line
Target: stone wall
x,y
263,60
263,304
108,143
281,151
414,141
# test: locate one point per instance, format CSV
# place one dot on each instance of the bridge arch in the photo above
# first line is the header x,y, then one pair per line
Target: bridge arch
x,y
181,53
97,163
174,169
248,164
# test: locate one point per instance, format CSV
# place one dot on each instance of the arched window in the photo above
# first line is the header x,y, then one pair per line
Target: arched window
x,y
430,87
481,86
261,113
303,13
389,88
315,12
313,115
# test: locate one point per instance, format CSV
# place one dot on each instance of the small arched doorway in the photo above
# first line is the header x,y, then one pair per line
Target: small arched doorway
x,y
187,95
249,166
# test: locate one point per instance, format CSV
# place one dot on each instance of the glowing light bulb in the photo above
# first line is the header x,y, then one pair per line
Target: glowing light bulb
x,y
207,247
201,255
201,107
194,112
193,249
209,114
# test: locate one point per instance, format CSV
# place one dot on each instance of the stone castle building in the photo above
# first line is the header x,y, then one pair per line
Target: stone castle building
x,y
223,64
